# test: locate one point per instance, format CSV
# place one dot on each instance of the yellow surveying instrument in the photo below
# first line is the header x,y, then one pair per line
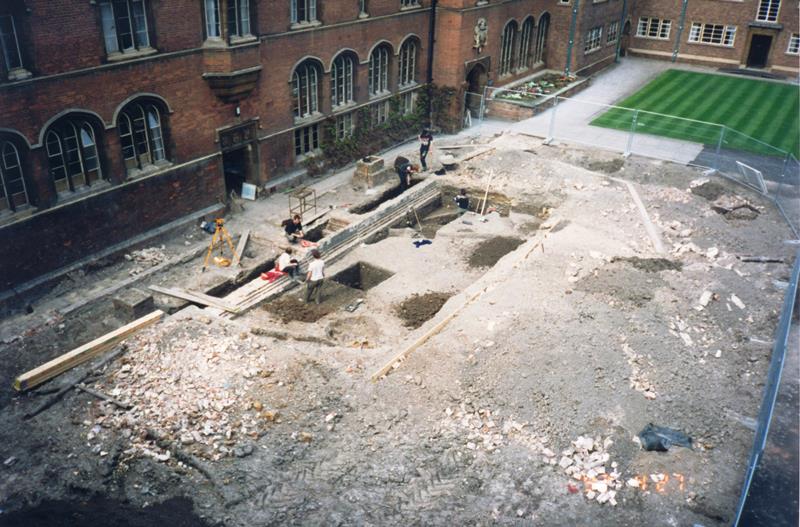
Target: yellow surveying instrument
x,y
216,240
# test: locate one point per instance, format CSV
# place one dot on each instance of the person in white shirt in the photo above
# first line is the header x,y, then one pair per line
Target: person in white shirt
x,y
287,264
315,277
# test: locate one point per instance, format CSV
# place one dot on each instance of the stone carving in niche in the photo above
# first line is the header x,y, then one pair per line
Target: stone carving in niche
x,y
481,32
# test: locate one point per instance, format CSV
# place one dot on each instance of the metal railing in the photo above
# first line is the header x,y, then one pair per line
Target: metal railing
x,y
772,385
770,171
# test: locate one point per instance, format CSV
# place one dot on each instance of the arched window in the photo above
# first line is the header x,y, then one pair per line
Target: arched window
x,y
72,154
408,63
342,74
305,88
13,193
379,70
541,39
526,44
141,136
507,48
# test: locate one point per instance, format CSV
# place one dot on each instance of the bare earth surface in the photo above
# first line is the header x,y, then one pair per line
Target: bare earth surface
x,y
523,410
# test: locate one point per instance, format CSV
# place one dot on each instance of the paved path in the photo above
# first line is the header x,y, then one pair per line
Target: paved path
x,y
609,87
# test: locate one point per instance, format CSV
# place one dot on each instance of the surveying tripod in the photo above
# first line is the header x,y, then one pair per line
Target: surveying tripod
x,y
219,234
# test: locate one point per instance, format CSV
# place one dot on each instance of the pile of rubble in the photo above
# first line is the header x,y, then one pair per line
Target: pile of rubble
x,y
482,432
587,461
148,257
193,388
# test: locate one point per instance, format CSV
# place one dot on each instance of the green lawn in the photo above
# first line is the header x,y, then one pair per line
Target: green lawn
x,y
767,111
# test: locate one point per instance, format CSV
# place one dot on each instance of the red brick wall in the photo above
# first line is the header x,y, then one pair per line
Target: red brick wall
x,y
59,236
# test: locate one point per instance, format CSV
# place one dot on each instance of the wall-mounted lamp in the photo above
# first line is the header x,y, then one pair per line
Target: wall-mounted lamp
x,y
238,111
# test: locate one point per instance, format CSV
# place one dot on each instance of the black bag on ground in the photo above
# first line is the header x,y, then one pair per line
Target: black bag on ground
x,y
660,438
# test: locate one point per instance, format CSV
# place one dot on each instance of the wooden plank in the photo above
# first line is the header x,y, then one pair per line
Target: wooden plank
x,y
197,298
83,353
240,247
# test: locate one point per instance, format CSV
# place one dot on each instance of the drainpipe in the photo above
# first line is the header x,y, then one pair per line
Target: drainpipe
x,y
572,26
681,22
621,28
431,44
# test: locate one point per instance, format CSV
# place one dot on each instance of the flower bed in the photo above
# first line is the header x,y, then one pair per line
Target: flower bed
x,y
537,88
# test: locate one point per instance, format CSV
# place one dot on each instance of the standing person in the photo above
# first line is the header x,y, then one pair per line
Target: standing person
x,y
294,229
462,201
425,140
288,265
315,277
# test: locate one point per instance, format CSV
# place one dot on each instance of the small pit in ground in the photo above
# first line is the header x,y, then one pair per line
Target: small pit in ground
x,y
291,306
374,203
417,309
361,276
489,252
650,265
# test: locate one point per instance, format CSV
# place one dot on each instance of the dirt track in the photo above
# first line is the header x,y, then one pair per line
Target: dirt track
x,y
591,334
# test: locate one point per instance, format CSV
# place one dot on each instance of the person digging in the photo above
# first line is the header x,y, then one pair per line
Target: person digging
x,y
315,277
462,201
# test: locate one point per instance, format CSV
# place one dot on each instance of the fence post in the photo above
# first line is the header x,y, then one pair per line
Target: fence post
x,y
629,146
785,163
718,155
552,128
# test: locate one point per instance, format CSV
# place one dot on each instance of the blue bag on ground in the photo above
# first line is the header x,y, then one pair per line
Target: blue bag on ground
x,y
660,438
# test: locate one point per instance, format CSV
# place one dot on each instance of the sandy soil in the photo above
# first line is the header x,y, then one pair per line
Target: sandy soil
x,y
580,331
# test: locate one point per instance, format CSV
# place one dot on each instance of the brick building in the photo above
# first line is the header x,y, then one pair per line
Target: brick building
x,y
120,116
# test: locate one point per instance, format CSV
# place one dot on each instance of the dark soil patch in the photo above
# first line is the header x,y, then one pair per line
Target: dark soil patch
x,y
374,203
710,191
651,265
289,307
418,309
489,252
104,512
607,167
623,283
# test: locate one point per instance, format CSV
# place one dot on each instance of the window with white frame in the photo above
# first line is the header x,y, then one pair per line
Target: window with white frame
x,y
409,3
72,154
379,70
342,73
593,39
362,9
306,140
13,192
239,18
124,26
768,10
379,113
794,45
613,33
507,48
526,44
344,126
213,27
9,46
715,34
305,89
303,11
650,27
408,63
141,136
407,102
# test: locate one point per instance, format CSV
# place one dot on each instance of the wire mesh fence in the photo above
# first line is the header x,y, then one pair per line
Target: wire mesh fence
x,y
773,172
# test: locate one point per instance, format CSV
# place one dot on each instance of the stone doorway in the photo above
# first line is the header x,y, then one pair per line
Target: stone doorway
x,y
476,82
